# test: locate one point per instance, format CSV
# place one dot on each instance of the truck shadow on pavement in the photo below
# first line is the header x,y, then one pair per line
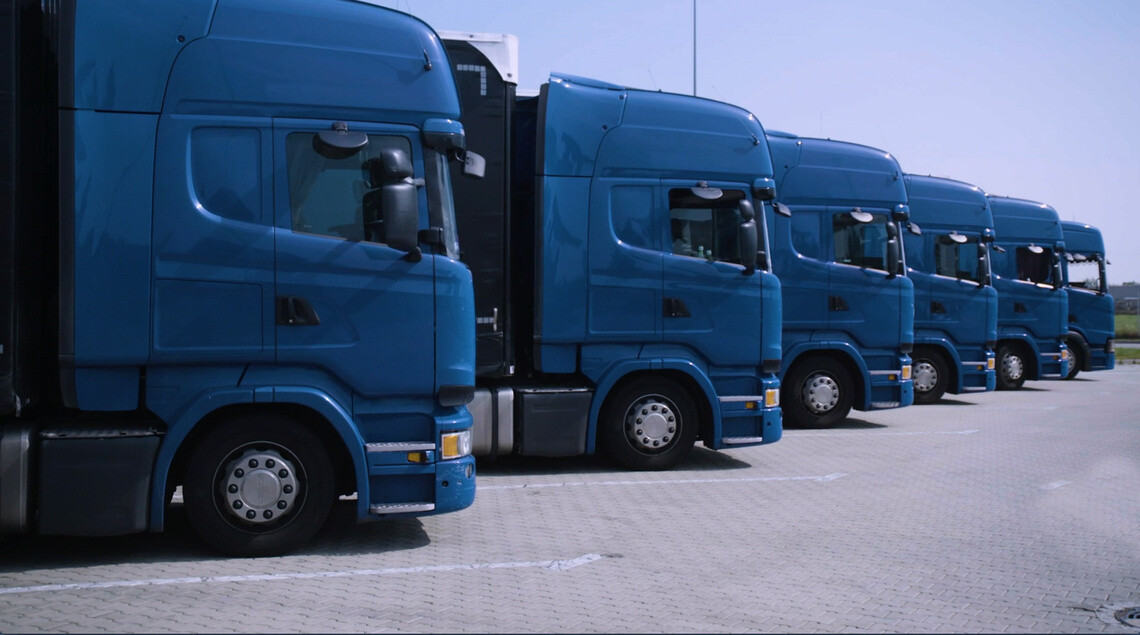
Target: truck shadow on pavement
x,y
700,459
850,423
341,535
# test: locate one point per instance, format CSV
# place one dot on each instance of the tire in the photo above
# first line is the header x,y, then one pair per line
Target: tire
x,y
266,465
931,376
1011,367
817,393
649,424
1080,350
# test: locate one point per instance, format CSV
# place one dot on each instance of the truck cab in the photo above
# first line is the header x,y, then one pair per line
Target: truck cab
x,y
848,304
622,304
1033,306
254,297
955,303
1092,322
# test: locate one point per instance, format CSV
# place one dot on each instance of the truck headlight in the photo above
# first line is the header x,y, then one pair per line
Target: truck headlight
x,y
453,445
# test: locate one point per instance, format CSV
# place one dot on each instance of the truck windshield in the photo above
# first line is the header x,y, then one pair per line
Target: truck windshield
x,y
861,244
441,203
1085,271
960,260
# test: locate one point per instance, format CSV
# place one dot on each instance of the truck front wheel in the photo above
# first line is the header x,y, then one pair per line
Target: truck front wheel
x,y
1010,367
1080,350
649,424
931,376
260,485
818,393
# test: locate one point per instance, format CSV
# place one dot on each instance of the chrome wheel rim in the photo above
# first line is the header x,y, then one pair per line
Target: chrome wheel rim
x,y
925,376
651,423
820,393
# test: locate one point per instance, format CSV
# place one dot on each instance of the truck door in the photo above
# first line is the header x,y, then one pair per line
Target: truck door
x,y
709,304
865,300
346,302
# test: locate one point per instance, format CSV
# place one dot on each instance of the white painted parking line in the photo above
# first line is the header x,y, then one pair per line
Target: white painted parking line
x,y
797,434
1056,484
687,481
1018,408
554,565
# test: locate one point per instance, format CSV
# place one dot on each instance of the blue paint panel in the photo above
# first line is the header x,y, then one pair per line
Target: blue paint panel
x,y
207,318
107,389
301,58
563,251
124,50
455,324
577,118
625,264
114,169
213,259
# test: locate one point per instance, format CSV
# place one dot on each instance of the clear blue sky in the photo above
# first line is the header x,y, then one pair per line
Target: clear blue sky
x,y
1038,99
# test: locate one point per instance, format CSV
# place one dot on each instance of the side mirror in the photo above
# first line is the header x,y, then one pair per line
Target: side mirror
x,y
749,246
401,218
895,266
391,209
782,210
913,228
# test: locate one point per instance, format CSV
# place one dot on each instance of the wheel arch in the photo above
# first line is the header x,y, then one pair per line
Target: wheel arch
x,y
684,372
949,356
315,410
841,352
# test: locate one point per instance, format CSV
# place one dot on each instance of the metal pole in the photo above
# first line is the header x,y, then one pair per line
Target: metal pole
x,y
694,48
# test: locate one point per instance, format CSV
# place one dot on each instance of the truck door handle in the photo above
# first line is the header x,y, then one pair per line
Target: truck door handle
x,y
837,303
1019,308
294,311
936,307
675,307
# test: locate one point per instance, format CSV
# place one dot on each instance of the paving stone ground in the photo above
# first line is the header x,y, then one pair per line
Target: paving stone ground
x,y
999,512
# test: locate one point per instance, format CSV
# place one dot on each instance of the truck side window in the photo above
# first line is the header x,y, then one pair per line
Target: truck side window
x,y
326,193
703,228
226,170
956,260
1035,267
861,244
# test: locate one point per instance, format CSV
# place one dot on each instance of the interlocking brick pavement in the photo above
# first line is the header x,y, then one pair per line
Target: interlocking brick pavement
x,y
999,512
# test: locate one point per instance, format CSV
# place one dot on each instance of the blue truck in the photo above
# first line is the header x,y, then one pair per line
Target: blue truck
x,y
836,244
955,303
229,266
1033,306
1092,319
624,301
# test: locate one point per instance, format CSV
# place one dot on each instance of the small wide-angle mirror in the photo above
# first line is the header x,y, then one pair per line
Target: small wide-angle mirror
x,y
1035,249
861,216
708,193
914,228
782,210
956,237
339,142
